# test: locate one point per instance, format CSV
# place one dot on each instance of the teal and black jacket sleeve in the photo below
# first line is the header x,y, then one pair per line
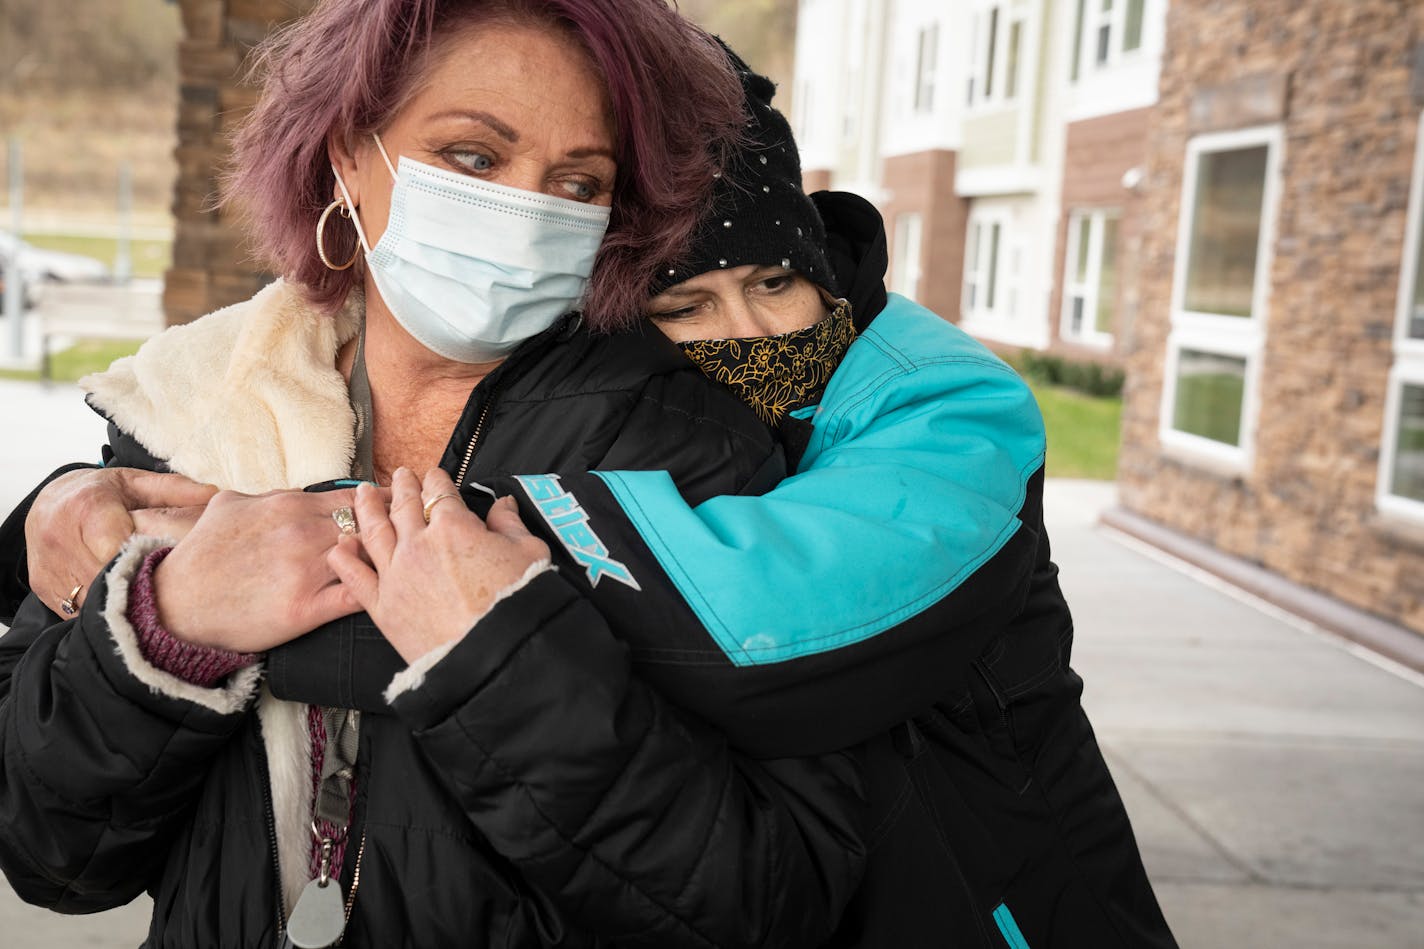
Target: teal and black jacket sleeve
x,y
856,592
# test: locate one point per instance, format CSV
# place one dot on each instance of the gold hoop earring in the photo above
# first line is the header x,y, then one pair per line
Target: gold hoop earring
x,y
338,204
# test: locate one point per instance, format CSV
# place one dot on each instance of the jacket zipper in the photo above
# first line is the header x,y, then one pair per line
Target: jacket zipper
x,y
355,885
474,441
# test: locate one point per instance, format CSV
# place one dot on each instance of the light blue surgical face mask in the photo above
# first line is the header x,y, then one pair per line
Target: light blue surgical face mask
x,y
470,268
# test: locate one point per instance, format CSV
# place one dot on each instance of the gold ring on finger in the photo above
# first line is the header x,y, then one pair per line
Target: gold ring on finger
x,y
429,505
345,519
70,604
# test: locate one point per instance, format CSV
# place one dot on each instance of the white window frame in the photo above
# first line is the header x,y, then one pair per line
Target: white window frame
x,y
991,72
909,236
1408,366
1116,22
1216,334
977,276
1089,287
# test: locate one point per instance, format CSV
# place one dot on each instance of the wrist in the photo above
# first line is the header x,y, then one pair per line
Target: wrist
x,y
200,665
173,604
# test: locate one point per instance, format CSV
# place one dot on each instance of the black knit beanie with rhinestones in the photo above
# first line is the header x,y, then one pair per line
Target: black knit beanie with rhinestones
x,y
759,213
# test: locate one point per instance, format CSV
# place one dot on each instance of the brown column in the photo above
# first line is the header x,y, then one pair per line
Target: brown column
x,y
210,266
923,183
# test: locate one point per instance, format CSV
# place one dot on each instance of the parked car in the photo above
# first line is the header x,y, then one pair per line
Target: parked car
x,y
42,266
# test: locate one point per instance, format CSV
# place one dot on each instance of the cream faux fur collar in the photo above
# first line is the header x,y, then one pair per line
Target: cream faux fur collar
x,y
247,398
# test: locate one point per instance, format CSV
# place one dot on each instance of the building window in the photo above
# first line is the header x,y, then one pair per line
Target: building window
x,y
1132,28
1211,390
1405,479
1011,62
991,47
1400,489
997,34
802,110
925,63
1090,281
1105,33
1226,230
1078,41
905,279
850,125
974,52
1219,292
989,280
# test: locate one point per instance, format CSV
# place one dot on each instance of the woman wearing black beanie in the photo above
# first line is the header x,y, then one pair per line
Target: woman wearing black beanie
x,y
897,590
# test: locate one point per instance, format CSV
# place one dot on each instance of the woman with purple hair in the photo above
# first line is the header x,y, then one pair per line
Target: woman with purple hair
x,y
439,184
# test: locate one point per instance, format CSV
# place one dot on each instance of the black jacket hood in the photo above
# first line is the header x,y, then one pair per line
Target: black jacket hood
x,y
855,239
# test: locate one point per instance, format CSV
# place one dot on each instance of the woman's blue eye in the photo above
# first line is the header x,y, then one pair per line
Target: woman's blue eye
x,y
580,190
475,161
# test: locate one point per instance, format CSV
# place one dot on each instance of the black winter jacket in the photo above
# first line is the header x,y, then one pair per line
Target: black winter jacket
x,y
994,820
530,792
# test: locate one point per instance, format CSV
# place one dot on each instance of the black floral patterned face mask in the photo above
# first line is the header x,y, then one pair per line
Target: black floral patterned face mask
x,y
778,374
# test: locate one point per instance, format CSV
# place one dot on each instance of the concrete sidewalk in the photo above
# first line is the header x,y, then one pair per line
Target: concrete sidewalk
x,y
1275,776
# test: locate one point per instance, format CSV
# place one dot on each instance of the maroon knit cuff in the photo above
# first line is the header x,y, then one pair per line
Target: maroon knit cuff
x,y
198,665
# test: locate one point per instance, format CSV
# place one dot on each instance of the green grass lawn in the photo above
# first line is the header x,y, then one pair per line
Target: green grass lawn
x,y
1082,433
150,257
84,357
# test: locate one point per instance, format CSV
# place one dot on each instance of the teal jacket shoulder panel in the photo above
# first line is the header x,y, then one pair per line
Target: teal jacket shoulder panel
x,y
924,446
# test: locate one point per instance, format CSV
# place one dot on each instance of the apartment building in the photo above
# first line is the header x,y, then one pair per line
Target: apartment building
x,y
1002,140
1226,198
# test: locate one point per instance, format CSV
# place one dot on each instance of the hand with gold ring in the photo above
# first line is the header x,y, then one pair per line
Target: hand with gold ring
x,y
345,519
425,583
69,606
253,572
430,505
78,522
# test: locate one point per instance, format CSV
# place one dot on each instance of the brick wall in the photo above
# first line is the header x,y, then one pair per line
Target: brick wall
x,y
1097,153
923,182
211,267
1339,73
815,179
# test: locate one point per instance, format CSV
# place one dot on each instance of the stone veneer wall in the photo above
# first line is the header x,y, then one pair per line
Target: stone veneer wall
x,y
1097,153
1342,73
923,182
211,265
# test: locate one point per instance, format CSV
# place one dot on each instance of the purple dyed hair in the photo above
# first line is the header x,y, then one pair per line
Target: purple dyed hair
x,y
347,67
